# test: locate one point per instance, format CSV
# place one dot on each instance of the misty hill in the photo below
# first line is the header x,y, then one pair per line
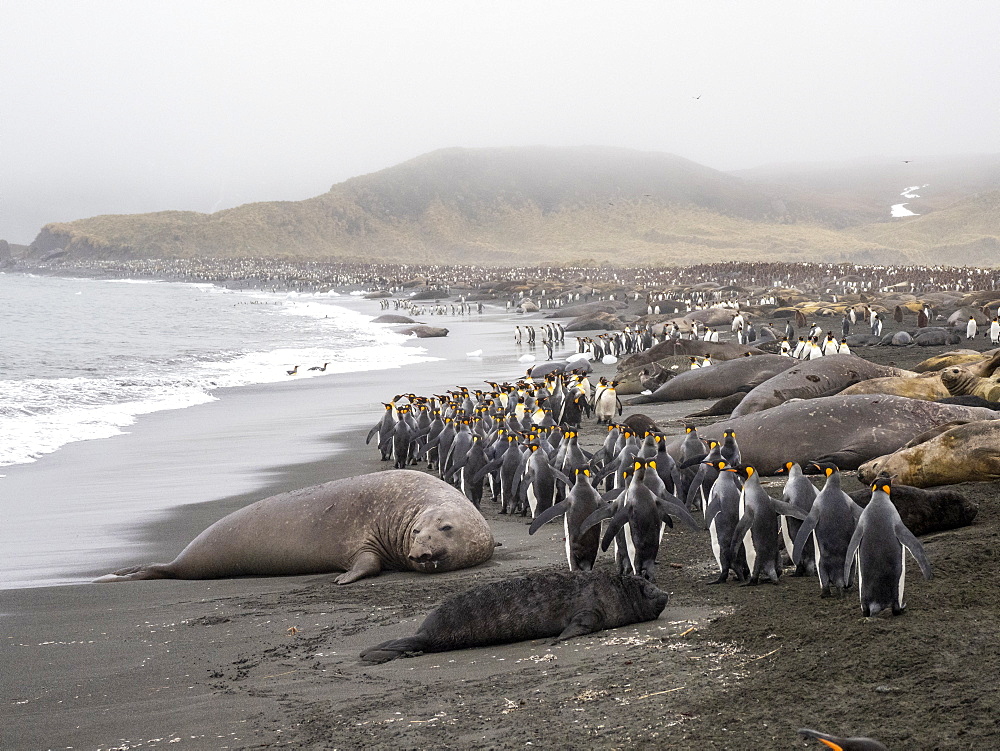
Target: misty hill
x,y
532,205
870,185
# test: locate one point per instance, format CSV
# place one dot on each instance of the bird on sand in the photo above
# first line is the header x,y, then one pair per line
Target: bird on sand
x,y
293,371
314,367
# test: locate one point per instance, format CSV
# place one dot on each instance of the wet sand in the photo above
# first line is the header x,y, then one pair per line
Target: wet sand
x,y
254,663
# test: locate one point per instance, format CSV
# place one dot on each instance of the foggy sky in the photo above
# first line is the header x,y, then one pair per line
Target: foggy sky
x,y
122,107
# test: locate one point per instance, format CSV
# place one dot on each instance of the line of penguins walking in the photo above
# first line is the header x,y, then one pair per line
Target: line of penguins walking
x,y
522,441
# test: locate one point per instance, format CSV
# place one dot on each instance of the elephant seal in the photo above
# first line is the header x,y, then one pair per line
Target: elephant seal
x,y
722,379
963,382
724,406
957,357
924,386
672,347
936,337
965,453
925,511
560,605
423,331
971,401
811,379
397,519
843,430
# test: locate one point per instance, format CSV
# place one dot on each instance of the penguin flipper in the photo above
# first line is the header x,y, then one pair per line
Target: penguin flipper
x,y
807,528
619,520
612,495
669,505
852,551
692,461
696,483
605,511
372,433
548,515
910,542
787,509
746,521
560,477
493,464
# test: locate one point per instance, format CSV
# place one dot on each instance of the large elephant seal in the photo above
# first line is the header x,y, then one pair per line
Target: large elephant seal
x,y
963,382
966,453
923,386
812,379
957,357
842,430
398,519
722,379
539,606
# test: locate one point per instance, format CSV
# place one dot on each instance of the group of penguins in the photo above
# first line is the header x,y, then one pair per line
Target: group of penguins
x,y
533,463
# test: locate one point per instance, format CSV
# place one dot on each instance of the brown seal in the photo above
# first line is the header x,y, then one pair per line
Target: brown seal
x,y
398,519
538,606
963,382
966,453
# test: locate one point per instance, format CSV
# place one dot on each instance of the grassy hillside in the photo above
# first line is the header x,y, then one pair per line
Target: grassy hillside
x,y
526,205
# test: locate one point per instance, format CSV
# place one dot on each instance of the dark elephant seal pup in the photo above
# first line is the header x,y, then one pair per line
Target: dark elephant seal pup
x,y
398,520
560,605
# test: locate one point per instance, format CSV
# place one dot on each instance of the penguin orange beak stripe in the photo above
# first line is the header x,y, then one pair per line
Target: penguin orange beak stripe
x,y
831,744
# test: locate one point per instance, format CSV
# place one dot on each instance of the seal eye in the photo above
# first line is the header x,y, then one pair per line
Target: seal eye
x,y
446,528
416,531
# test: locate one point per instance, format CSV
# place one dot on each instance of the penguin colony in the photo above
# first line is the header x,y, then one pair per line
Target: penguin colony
x,y
521,441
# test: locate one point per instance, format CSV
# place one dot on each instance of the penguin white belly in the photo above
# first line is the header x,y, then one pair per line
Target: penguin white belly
x,y
569,556
818,557
663,528
902,575
861,584
789,542
630,547
751,550
716,548
532,500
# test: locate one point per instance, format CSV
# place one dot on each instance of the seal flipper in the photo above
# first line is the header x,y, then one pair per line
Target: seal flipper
x,y
583,623
136,573
366,564
390,650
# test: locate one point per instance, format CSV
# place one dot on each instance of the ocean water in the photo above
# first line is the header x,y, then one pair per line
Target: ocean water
x,y
80,359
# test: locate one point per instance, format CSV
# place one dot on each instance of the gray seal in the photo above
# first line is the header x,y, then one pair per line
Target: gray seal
x,y
845,430
812,379
723,379
398,519
538,606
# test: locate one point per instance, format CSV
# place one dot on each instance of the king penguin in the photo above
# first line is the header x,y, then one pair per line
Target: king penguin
x,y
879,544
837,743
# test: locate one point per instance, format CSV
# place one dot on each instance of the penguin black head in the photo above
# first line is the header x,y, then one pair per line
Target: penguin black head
x,y
843,744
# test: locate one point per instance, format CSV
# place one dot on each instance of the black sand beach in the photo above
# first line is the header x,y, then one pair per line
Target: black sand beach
x,y
260,663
